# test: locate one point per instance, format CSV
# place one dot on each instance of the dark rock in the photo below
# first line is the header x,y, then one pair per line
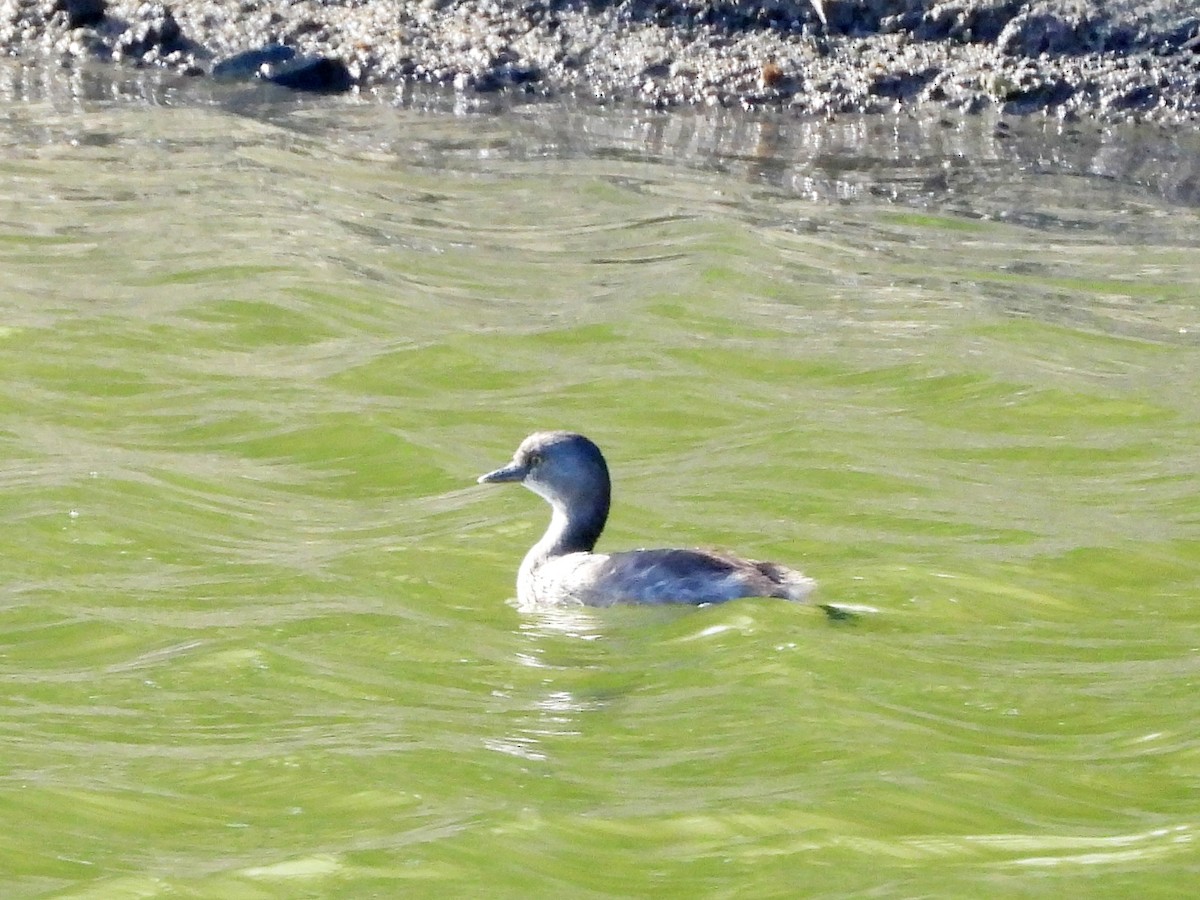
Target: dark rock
x,y
902,85
731,15
1033,33
907,21
81,13
968,22
1144,97
1037,97
1184,40
279,64
974,104
157,34
523,74
315,74
507,75
251,63
486,83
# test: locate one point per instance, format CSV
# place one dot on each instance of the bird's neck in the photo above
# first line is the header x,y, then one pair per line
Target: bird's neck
x,y
573,529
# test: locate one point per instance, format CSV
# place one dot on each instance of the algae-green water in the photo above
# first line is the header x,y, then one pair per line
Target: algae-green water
x,y
255,637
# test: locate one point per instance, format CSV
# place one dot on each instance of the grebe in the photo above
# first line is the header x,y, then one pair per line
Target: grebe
x,y
569,472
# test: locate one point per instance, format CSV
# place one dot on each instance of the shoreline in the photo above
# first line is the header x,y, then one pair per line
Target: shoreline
x,y
1111,60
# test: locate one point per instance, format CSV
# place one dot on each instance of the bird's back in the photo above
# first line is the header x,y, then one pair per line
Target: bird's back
x,y
660,576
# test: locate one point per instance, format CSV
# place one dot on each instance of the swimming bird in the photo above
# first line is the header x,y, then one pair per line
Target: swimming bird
x,y
569,472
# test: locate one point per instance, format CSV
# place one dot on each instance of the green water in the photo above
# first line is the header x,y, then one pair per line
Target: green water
x,y
254,637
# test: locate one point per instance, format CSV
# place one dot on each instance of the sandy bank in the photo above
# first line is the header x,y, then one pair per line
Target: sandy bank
x,y
1114,59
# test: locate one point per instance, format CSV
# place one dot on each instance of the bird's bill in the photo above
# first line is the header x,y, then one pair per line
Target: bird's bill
x,y
512,472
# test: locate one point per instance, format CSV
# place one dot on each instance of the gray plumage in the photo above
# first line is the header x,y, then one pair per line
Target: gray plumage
x,y
570,473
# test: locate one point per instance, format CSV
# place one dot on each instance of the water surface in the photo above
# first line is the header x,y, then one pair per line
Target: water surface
x,y
254,637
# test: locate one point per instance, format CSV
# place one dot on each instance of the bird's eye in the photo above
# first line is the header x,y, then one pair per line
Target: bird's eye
x,y
534,459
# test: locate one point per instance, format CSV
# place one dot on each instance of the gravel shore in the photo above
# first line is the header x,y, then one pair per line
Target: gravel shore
x,y
1108,59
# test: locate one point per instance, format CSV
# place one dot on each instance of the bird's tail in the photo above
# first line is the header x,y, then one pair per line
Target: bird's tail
x,y
788,584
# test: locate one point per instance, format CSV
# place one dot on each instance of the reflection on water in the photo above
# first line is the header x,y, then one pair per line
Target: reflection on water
x,y
254,621
577,622
990,166
552,712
